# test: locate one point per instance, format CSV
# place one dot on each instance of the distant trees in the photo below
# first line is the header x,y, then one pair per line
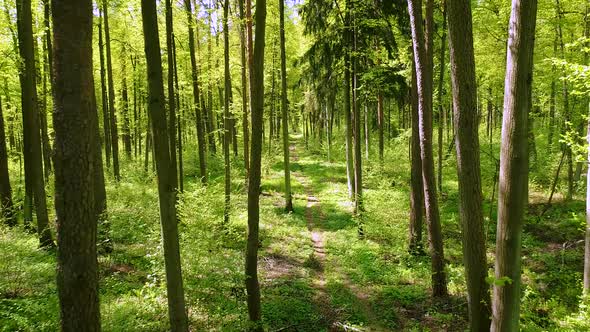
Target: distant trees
x,y
513,185
76,134
285,110
6,206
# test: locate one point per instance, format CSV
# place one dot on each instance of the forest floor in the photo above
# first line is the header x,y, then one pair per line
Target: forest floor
x,y
316,272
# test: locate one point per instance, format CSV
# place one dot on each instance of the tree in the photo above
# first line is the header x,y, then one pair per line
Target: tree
x,y
468,170
197,103
164,167
6,207
256,113
284,109
226,114
417,191
74,122
114,139
423,59
31,132
513,183
104,94
245,91
171,91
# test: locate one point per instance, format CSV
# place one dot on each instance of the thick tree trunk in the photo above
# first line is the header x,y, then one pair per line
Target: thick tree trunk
x,y
468,164
284,110
257,110
196,93
513,166
112,114
423,59
165,170
6,206
31,132
74,122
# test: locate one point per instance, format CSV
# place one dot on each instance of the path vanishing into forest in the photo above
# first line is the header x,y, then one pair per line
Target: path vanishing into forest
x,y
315,217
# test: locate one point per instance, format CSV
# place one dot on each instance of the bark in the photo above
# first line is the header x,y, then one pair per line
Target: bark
x,y
256,111
245,91
165,170
380,120
468,162
417,191
284,110
74,122
226,114
126,134
196,93
441,76
348,107
356,119
31,132
513,166
6,206
47,58
104,95
171,91
112,114
422,43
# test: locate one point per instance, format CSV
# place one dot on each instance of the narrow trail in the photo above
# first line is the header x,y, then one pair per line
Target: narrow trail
x,y
315,216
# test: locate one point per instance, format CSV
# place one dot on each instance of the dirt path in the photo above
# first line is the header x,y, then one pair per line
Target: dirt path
x,y
314,216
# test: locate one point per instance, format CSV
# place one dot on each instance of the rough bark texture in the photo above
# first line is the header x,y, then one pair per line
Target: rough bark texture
x,y
284,110
31,132
348,107
441,76
196,93
245,91
165,171
105,99
256,111
356,126
171,92
6,206
513,165
112,114
74,119
468,164
423,60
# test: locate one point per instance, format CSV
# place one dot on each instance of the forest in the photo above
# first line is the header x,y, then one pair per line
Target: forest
x,y
294,165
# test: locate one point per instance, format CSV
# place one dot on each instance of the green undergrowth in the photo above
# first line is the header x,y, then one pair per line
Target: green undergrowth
x,y
369,278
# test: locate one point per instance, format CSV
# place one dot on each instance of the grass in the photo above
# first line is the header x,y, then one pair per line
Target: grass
x,y
369,281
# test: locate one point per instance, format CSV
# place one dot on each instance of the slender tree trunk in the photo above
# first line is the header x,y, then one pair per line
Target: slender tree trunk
x,y
47,58
112,114
513,166
347,105
422,43
257,110
165,169
586,288
284,110
245,91
367,131
103,89
196,94
171,92
178,119
226,114
552,99
75,144
356,117
380,120
417,191
468,163
441,77
31,132
6,206
126,135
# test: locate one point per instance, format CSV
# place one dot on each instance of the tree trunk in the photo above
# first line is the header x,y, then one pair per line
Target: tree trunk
x,y
112,114
468,163
586,288
31,136
257,110
347,105
47,58
417,191
284,110
513,166
171,91
6,206
165,170
356,117
441,76
126,135
226,114
74,122
245,91
380,120
103,90
196,94
422,43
